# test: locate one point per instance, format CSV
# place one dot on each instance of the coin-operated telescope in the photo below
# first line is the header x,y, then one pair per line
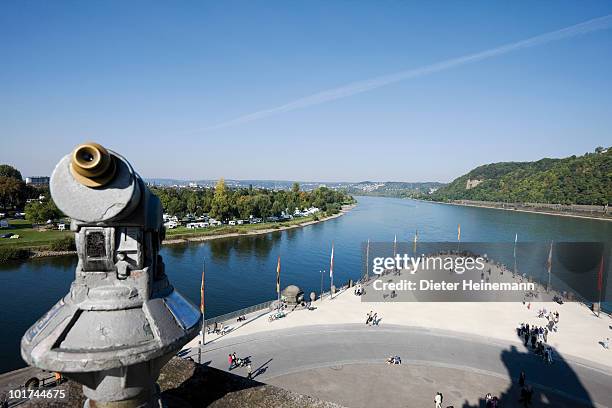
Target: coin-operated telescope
x,y
122,320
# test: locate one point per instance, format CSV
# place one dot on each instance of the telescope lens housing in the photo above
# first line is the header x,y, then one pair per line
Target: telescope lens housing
x,y
92,165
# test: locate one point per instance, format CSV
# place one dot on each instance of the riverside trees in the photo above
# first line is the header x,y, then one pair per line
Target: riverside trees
x,y
225,203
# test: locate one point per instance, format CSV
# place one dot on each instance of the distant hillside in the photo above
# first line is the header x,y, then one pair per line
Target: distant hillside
x,y
572,180
267,184
392,188
376,188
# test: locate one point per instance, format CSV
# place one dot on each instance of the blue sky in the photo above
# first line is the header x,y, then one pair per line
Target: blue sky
x,y
150,80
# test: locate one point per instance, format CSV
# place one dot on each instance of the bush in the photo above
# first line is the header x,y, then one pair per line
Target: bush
x,y
13,254
63,244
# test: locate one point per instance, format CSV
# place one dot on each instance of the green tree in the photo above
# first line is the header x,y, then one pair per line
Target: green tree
x,y
220,206
245,206
38,212
9,171
10,191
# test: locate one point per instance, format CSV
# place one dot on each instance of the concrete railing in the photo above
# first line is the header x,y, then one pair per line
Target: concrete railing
x,y
241,312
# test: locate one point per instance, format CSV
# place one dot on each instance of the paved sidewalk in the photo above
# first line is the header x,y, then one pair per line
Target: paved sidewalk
x,y
580,331
346,364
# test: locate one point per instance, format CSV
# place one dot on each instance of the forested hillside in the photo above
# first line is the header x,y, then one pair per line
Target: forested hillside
x,y
572,180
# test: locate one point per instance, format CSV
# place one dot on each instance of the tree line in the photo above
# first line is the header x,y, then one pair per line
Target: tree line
x,y
223,203
15,193
583,179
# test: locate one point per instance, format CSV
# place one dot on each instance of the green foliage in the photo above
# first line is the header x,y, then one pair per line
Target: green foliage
x,y
38,212
63,244
9,171
223,203
220,206
13,191
9,253
10,191
573,180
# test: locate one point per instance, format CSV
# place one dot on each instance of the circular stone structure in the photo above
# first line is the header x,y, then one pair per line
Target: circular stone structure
x,y
293,294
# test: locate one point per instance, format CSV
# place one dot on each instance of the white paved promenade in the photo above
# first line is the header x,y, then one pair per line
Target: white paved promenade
x,y
463,349
580,331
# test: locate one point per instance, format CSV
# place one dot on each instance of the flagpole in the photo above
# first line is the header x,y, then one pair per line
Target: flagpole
x,y
394,252
278,266
368,261
202,309
549,265
458,236
331,273
321,271
514,252
600,284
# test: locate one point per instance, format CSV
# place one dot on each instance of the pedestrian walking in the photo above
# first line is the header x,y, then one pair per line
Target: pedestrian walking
x,y
249,372
230,360
438,399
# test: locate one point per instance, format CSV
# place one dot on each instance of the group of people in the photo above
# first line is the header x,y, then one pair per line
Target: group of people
x,y
359,290
394,360
372,319
549,315
537,337
491,401
241,318
235,362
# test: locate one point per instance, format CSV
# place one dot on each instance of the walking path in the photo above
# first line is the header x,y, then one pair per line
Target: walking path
x,y
344,363
580,331
462,349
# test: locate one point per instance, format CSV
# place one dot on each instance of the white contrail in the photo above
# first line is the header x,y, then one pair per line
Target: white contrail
x,y
353,88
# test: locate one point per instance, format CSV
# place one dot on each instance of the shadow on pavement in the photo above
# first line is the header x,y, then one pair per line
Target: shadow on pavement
x,y
553,385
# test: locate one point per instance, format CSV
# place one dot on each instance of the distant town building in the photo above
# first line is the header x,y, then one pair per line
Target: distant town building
x,y
41,181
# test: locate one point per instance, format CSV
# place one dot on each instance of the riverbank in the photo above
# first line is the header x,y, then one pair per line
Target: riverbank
x,y
183,235
496,206
264,228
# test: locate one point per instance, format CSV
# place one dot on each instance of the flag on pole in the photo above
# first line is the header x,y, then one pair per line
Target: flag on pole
x,y
331,264
458,232
278,276
368,260
549,261
394,244
600,276
515,241
202,294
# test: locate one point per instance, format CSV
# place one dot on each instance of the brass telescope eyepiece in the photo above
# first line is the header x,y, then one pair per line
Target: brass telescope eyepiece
x,y
92,165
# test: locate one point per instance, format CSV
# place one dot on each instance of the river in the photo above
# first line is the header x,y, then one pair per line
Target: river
x,y
241,271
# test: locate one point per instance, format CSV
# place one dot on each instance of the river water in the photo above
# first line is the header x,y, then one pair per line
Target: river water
x,y
241,271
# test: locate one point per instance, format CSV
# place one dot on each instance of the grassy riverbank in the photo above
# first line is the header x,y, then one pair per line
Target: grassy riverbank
x,y
35,243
